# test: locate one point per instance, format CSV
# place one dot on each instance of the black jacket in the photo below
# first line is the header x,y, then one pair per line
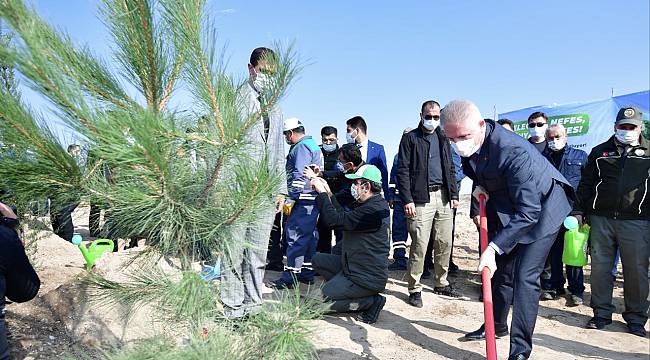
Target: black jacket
x,y
365,248
331,174
615,184
413,167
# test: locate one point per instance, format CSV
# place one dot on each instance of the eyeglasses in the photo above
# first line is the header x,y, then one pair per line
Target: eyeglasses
x,y
431,117
532,125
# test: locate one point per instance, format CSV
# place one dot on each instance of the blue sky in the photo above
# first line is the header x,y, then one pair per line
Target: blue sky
x,y
382,59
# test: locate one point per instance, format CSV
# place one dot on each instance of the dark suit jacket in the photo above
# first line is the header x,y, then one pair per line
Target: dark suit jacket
x,y
377,157
528,197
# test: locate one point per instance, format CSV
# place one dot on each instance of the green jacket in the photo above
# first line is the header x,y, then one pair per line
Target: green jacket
x,y
615,183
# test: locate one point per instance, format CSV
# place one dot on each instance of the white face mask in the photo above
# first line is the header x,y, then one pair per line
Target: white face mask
x,y
349,138
261,82
465,148
537,131
354,191
329,147
627,137
430,124
556,145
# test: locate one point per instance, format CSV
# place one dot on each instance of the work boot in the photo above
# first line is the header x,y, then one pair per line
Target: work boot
x,y
447,291
399,264
415,299
547,295
574,300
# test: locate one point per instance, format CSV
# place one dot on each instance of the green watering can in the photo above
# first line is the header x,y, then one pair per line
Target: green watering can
x,y
575,242
95,251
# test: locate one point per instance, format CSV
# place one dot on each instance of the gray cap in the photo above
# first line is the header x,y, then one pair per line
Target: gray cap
x,y
629,115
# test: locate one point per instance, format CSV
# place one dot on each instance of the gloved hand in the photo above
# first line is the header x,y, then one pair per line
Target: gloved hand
x,y
478,191
488,260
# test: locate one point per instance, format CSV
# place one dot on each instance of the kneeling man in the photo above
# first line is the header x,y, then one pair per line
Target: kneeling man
x,y
355,278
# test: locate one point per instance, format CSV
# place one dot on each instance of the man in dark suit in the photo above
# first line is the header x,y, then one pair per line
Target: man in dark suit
x,y
371,152
528,199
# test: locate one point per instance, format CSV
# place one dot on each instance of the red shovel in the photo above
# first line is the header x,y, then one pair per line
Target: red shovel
x,y
490,337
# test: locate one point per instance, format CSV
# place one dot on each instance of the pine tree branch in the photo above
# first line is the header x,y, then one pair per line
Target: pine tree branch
x,y
151,90
170,85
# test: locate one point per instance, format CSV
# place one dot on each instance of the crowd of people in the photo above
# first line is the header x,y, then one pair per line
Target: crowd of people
x,y
332,216
337,221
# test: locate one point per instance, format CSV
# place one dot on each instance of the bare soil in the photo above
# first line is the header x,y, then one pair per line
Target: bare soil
x,y
61,323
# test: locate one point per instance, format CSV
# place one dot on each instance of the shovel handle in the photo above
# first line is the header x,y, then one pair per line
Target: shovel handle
x,y
490,335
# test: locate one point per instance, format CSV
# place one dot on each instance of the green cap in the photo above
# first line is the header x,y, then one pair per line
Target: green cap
x,y
368,172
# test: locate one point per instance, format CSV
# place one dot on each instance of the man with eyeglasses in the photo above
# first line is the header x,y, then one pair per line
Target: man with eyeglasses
x,y
427,186
537,125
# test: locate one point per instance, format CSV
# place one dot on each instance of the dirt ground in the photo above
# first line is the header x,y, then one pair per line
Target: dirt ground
x,y
58,323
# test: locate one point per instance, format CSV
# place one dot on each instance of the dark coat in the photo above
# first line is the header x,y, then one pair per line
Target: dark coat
x,y
524,204
413,167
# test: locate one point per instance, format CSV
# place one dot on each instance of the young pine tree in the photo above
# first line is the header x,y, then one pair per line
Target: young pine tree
x,y
134,119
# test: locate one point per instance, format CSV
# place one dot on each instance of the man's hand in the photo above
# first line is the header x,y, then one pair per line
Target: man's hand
x,y
409,210
311,171
320,185
6,211
478,191
488,260
279,203
454,204
477,220
580,219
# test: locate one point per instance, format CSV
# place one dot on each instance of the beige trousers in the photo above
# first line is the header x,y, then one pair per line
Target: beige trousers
x,y
434,221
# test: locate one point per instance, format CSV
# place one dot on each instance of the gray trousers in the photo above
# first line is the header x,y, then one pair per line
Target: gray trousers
x,y
242,270
346,295
632,238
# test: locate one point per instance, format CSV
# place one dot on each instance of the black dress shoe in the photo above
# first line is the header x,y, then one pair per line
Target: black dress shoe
x,y
517,357
480,334
371,315
637,329
598,323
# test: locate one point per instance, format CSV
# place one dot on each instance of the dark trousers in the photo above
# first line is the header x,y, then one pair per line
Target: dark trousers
x,y
301,237
93,220
516,282
574,274
62,221
19,283
338,288
324,238
274,256
400,232
632,239
453,235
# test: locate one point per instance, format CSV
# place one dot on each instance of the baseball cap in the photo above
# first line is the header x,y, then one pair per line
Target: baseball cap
x,y
368,172
629,115
291,123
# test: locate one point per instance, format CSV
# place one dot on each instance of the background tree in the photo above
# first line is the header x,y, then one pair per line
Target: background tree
x,y
186,209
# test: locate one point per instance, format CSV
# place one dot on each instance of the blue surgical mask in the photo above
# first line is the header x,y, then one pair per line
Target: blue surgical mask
x,y
627,137
329,147
350,139
340,167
